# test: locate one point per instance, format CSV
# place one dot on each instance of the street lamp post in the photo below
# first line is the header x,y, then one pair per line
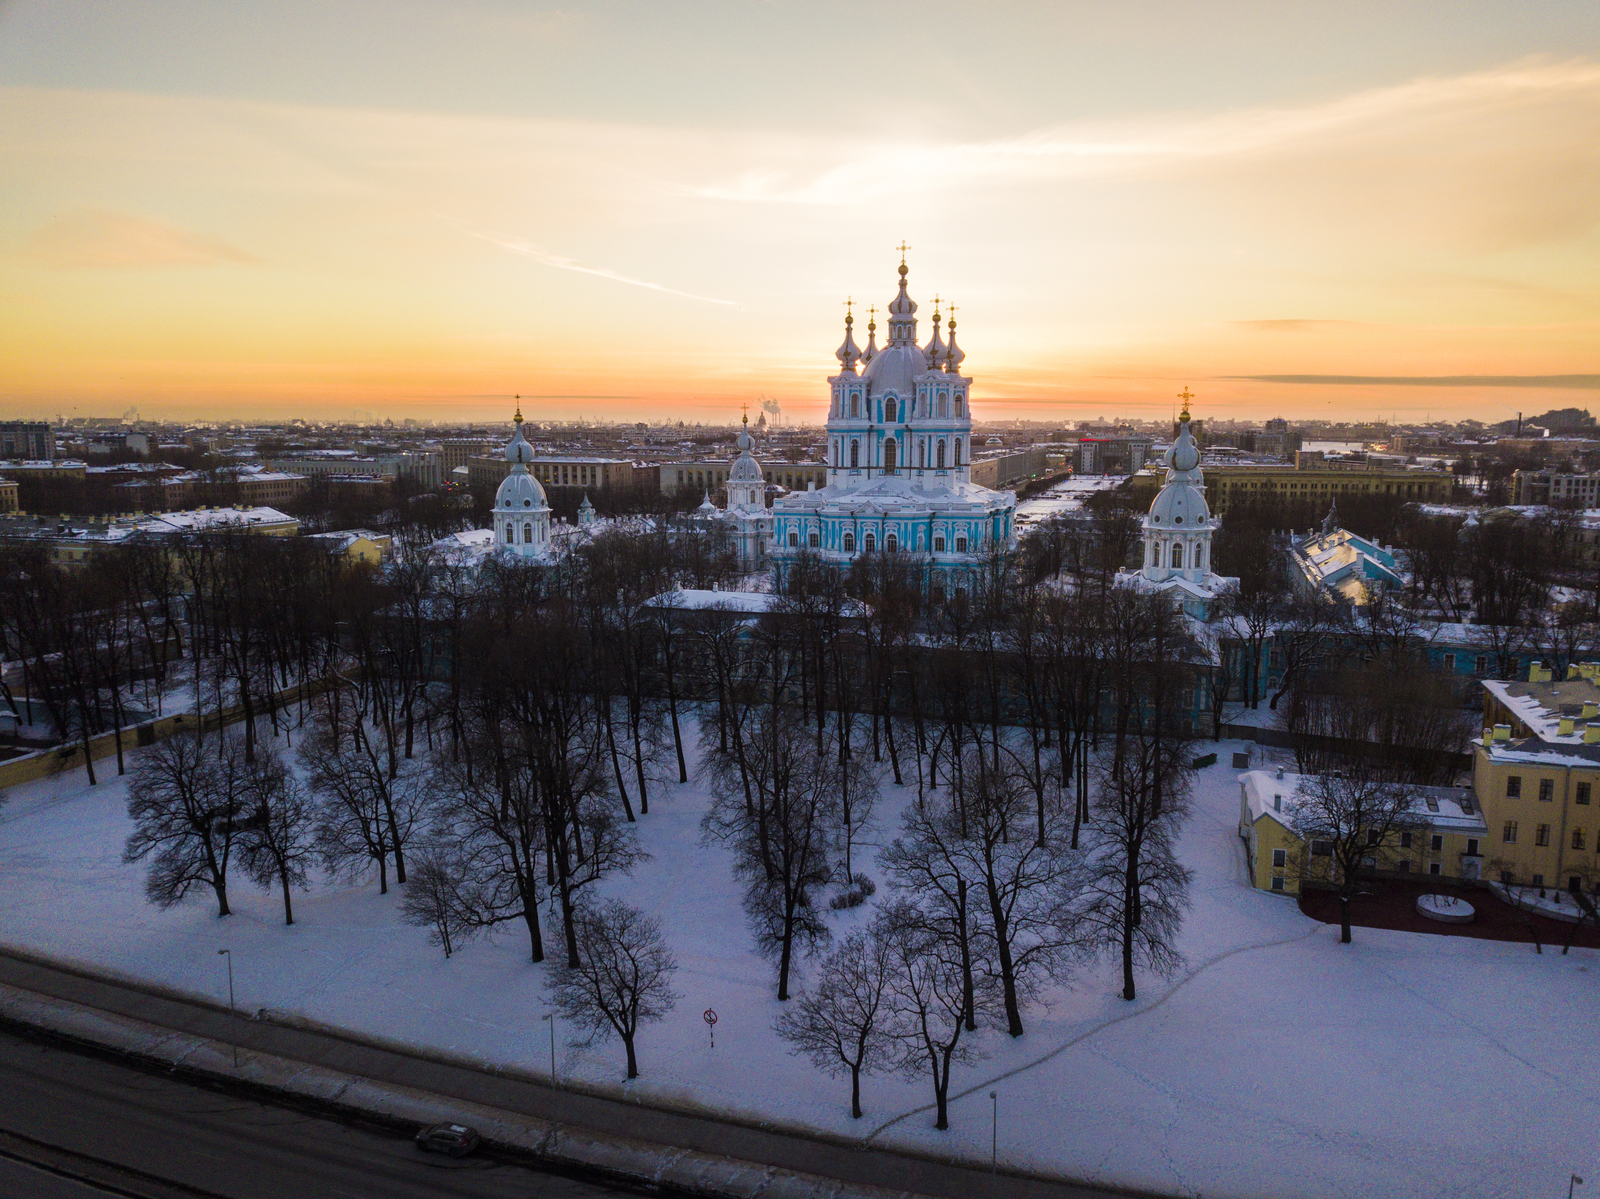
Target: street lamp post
x,y
551,1017
233,1036
994,1133
1575,1182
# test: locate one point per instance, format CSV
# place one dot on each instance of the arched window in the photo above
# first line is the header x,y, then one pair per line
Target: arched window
x,y
1177,556
855,455
961,545
794,541
922,452
836,453
814,540
869,543
1150,556
510,533
939,456
849,543
938,545
527,533
889,457
888,410
1198,559
855,406
958,403
957,462
891,543
943,409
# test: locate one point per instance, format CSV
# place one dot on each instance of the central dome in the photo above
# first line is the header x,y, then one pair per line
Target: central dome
x,y
893,369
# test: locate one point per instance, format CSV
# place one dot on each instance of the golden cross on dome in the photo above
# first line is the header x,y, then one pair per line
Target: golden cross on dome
x,y
1186,395
518,416
936,305
745,408
902,247
849,303
872,315
951,309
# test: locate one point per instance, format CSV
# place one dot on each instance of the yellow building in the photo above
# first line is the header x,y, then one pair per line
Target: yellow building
x,y
358,545
1449,841
1536,772
1319,483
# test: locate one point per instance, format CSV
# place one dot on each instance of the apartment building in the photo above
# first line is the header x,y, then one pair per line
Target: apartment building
x,y
1536,775
34,440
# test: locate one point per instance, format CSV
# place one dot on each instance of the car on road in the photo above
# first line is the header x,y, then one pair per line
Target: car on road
x,y
455,1139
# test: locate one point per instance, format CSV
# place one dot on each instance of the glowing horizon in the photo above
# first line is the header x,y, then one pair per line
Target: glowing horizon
x,y
1412,234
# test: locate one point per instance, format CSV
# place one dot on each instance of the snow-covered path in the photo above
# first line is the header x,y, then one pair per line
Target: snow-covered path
x,y
1278,1063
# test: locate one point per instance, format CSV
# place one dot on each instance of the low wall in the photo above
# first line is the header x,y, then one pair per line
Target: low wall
x,y
58,759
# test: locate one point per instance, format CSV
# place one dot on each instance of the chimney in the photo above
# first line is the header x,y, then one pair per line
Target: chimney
x,y
1591,732
1502,732
1572,670
1534,670
1279,775
1564,727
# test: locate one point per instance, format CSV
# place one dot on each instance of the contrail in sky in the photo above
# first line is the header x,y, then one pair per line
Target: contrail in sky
x,y
539,254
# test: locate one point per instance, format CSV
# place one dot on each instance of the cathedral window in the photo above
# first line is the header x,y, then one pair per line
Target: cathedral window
x,y
855,406
888,410
943,409
1177,557
939,456
891,543
958,403
855,455
938,545
509,533
794,541
869,543
889,462
527,533
849,543
958,453
814,540
961,545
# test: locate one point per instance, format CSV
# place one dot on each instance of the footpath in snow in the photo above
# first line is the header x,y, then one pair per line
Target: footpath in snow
x,y
1278,1063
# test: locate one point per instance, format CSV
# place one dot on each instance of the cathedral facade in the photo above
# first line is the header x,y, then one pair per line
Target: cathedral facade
x,y
899,458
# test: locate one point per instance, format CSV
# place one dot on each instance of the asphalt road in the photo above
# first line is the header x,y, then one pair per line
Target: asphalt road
x,y
75,1126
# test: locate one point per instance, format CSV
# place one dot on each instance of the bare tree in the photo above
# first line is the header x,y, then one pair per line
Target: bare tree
x,y
277,847
840,1023
365,815
927,1000
433,900
186,805
1354,818
623,978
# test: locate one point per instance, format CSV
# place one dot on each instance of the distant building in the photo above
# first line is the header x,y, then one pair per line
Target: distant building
x,y
711,474
27,439
1318,482
357,545
1114,455
558,470
1008,470
1555,487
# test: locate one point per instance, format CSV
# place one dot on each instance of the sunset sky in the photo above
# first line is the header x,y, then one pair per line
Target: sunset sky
x,y
648,210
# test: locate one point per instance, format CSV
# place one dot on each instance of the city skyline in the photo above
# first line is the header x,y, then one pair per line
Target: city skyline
x,y
620,213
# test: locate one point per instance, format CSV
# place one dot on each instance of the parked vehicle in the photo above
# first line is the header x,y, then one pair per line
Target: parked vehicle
x,y
457,1140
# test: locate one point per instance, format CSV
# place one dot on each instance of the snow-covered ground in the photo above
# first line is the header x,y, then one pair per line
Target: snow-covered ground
x,y
1279,1063
1065,496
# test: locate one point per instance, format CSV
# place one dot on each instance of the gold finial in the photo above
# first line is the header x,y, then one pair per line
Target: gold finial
x,y
518,417
1185,395
849,315
872,317
936,306
951,309
902,247
745,408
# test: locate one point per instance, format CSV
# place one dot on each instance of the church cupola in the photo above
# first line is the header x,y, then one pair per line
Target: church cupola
x,y
954,355
848,353
521,515
903,310
871,352
933,352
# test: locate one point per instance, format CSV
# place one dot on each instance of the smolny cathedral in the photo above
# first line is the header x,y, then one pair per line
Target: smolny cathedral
x,y
899,446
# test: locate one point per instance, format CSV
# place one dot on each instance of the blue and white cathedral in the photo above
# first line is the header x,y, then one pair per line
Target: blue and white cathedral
x,y
899,456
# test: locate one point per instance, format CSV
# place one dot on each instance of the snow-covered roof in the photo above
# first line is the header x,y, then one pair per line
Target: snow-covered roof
x,y
1542,706
1444,808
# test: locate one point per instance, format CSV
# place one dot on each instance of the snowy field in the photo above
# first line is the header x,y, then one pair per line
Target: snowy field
x,y
1065,496
1278,1064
